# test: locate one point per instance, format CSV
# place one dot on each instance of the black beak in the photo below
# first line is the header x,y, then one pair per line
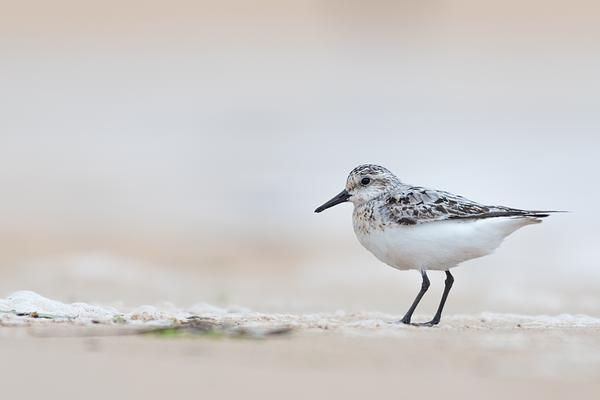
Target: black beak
x,y
342,197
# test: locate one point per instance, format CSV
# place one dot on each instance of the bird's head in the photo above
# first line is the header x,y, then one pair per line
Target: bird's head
x,y
365,182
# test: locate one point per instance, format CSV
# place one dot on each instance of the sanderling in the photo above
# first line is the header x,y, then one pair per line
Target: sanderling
x,y
411,227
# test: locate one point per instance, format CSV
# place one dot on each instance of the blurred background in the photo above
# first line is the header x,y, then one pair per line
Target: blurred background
x,y
157,151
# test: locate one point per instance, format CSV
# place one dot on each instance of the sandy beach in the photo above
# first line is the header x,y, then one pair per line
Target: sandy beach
x,y
88,351
454,363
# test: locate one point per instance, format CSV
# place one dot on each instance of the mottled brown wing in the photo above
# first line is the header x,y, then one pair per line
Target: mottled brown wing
x,y
415,205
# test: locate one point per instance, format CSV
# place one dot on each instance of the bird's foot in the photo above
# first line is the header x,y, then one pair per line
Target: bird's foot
x,y
431,323
405,320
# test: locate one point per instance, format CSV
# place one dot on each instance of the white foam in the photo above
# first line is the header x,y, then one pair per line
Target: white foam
x,y
27,302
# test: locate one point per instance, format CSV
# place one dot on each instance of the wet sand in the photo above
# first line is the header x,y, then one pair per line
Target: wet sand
x,y
501,362
95,352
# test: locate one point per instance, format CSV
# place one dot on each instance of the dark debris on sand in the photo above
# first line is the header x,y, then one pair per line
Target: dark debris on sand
x,y
199,326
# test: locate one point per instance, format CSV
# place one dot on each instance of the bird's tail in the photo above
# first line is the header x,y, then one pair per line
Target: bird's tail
x,y
540,213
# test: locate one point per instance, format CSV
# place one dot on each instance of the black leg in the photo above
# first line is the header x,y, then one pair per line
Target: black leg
x,y
424,287
438,315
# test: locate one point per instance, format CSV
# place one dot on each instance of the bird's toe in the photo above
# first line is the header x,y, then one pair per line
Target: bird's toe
x,y
426,324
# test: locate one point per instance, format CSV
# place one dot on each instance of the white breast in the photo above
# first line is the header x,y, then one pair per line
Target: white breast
x,y
439,245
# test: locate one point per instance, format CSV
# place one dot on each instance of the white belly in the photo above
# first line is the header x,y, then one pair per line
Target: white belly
x,y
439,245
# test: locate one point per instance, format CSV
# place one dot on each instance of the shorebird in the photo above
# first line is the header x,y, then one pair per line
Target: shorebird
x,y
412,227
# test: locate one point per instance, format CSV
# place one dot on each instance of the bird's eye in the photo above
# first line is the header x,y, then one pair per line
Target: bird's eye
x,y
365,181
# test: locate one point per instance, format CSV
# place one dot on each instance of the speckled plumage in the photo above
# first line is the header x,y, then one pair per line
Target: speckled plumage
x,y
403,204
